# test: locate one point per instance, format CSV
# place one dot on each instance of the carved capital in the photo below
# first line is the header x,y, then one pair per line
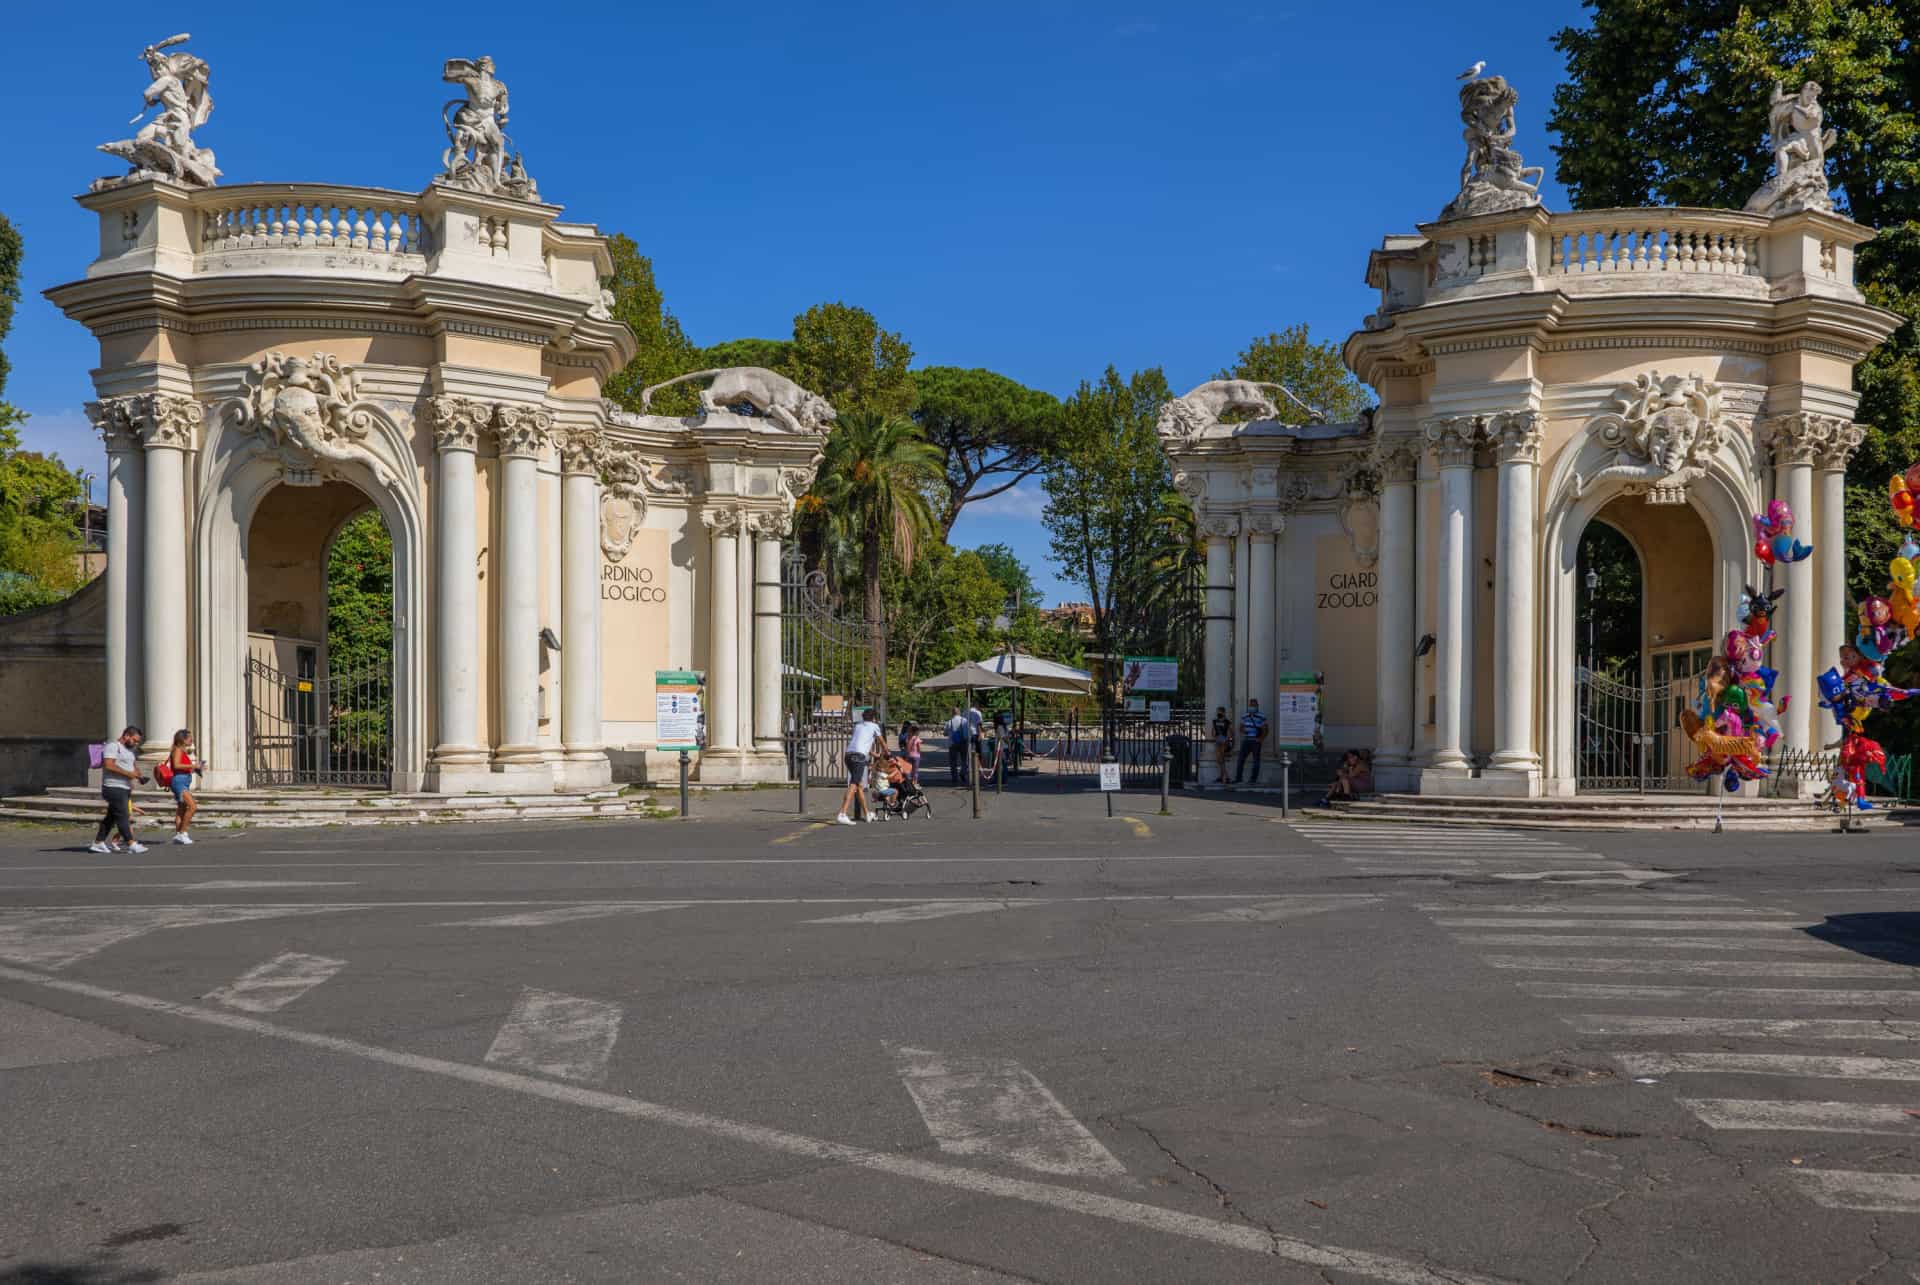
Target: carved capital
x,y
523,431
1265,526
1191,485
1841,444
157,421
770,524
113,418
1515,436
581,451
722,522
1221,526
1399,463
1452,439
1798,437
457,422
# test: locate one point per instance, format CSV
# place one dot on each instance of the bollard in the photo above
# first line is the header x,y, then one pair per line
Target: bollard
x,y
684,809
801,764
1286,783
973,775
1166,775
999,766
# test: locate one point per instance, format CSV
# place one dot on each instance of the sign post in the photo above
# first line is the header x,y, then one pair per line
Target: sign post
x,y
677,719
1109,777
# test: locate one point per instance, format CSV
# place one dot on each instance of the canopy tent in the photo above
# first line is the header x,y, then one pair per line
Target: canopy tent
x,y
1037,675
966,674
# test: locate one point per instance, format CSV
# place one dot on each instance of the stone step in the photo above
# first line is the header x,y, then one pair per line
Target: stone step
x,y
72,805
1550,814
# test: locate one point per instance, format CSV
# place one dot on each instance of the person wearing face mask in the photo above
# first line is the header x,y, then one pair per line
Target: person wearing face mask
x,y
1253,735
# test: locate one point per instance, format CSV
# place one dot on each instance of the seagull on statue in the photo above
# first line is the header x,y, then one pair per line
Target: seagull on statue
x,y
1473,71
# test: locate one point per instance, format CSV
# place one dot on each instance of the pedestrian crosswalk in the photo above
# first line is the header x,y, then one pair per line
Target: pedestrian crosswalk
x,y
1438,851
1708,1037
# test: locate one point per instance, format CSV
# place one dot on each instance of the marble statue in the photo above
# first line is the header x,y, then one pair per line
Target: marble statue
x,y
1493,177
1203,407
1663,431
309,411
1800,146
164,146
479,154
770,393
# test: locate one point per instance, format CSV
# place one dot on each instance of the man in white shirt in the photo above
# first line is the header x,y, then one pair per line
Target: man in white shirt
x,y
959,732
866,735
119,773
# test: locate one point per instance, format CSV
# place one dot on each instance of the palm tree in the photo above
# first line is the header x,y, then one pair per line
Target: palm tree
x,y
871,490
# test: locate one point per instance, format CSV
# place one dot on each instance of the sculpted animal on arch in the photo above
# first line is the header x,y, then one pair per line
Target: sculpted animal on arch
x,y
310,410
1204,406
772,394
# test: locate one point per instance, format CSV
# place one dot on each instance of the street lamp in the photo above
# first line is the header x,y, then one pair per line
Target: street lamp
x,y
1593,583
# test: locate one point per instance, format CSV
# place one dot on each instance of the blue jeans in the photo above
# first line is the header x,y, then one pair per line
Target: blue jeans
x,y
1250,746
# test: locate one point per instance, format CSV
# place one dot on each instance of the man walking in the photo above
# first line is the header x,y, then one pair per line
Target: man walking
x,y
957,729
119,773
866,734
1253,735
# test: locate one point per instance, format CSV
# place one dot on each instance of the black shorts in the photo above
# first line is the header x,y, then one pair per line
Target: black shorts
x,y
856,768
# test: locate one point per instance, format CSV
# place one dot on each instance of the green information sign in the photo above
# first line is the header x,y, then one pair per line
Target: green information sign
x,y
678,719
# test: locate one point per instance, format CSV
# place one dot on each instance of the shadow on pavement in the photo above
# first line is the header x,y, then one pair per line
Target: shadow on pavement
x,y
74,1274
1891,936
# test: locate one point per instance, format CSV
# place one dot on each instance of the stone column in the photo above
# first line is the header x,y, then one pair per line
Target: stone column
x,y
746,688
1516,440
1221,529
1830,544
126,518
1795,440
1452,440
586,757
723,631
523,432
169,425
459,759
1264,529
1394,646
769,530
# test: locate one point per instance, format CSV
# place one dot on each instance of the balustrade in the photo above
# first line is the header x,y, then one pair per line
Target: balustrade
x,y
233,219
1658,243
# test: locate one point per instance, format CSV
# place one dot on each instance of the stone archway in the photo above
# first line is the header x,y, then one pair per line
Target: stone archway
x,y
239,472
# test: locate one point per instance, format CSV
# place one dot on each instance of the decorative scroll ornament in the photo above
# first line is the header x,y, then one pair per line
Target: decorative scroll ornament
x,y
148,420
477,155
1453,438
310,412
1205,407
164,146
623,501
1800,148
1802,437
772,396
1398,462
1663,432
523,430
457,422
771,524
580,450
1221,526
723,521
1191,485
1515,436
1493,177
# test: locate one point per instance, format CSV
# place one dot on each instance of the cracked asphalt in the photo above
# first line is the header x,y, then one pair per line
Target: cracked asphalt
x,y
1042,1046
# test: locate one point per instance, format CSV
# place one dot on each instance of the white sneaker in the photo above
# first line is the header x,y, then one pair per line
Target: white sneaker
x,y
844,819
136,847
182,837
98,847
871,818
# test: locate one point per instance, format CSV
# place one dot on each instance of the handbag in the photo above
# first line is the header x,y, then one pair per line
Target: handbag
x,y
163,772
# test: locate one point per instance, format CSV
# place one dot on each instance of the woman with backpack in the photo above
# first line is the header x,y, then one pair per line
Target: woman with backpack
x,y
175,772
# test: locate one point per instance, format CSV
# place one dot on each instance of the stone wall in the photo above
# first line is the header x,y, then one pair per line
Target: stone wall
x,y
53,679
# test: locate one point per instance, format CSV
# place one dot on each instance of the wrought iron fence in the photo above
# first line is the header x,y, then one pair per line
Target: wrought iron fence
x,y
1629,736
312,728
826,668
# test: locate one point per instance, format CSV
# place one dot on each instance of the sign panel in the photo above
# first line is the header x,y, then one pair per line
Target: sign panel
x,y
676,698
1109,776
1159,711
1296,712
1150,674
1136,704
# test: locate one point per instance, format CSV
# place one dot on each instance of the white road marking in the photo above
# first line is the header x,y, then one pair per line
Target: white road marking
x,y
1603,908
558,915
1794,945
1813,1117
1790,995
1590,878
1731,967
1662,925
57,936
277,983
1802,1064
1877,1193
1271,912
1804,1028
235,885
1231,1235
923,910
564,1036
997,1109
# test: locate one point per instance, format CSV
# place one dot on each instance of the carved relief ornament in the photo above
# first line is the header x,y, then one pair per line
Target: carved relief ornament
x,y
523,431
1663,431
770,524
623,501
147,420
581,450
723,522
1800,437
309,412
1841,444
456,422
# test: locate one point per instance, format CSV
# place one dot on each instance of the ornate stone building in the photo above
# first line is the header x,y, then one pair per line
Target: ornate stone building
x,y
1666,371
275,358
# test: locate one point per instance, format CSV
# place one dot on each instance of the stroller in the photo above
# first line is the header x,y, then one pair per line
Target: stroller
x,y
904,800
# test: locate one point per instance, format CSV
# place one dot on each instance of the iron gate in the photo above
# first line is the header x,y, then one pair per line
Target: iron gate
x,y
1630,736
826,671
310,728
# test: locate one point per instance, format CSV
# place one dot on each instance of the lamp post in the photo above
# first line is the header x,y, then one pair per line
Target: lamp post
x,y
1593,584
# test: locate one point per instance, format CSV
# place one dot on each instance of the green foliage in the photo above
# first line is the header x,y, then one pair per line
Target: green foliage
x,y
840,352
1634,131
1312,370
1613,607
40,506
992,432
1104,486
665,350
1016,582
360,594
773,354
11,252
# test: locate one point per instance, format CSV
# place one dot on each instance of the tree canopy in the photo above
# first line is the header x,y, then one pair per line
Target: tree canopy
x,y
840,352
1312,370
665,350
992,433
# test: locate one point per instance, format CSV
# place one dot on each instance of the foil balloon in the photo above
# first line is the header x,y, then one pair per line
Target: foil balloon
x,y
1906,611
1774,529
1900,495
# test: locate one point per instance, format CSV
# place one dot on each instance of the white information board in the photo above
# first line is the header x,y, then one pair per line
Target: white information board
x,y
1159,711
1296,717
1109,776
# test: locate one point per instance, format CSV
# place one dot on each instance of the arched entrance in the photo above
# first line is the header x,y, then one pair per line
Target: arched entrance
x,y
319,670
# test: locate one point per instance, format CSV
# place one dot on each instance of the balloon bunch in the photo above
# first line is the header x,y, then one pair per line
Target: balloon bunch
x,y
1736,721
1773,536
1855,689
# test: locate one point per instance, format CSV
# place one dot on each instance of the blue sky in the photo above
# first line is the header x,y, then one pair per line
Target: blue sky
x,y
1038,188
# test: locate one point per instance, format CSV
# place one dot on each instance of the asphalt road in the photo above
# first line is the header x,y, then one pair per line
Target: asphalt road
x,y
1042,1046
